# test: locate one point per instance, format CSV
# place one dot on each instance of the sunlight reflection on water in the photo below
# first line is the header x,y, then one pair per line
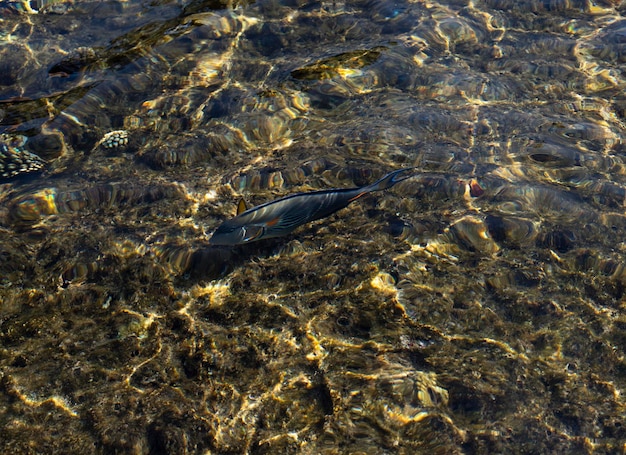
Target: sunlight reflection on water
x,y
474,308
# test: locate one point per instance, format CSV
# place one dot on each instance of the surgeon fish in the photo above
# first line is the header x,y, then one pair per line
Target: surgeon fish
x,y
282,216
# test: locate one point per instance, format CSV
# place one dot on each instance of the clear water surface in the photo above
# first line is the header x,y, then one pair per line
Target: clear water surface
x,y
477,307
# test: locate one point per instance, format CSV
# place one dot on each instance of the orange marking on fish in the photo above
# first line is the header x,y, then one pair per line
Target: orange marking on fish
x,y
358,196
273,222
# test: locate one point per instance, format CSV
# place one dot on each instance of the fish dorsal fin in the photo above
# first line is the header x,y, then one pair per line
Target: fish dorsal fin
x,y
241,206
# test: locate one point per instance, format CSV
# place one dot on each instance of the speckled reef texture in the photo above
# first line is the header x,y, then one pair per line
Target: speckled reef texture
x,y
475,308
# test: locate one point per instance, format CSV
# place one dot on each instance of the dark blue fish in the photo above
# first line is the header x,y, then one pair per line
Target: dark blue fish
x,y
280,217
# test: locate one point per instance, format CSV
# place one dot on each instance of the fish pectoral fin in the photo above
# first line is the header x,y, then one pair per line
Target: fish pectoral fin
x,y
241,206
251,233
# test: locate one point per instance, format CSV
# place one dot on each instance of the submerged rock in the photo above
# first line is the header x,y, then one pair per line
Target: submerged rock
x,y
15,160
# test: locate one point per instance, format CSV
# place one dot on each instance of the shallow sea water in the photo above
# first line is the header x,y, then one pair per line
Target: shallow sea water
x,y
477,307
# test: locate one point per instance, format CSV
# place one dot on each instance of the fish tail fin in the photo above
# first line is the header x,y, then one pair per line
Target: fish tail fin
x,y
388,180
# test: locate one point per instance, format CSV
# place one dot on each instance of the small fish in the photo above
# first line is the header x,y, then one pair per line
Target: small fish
x,y
280,217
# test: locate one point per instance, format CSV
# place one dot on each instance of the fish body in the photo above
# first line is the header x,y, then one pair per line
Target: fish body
x,y
282,216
